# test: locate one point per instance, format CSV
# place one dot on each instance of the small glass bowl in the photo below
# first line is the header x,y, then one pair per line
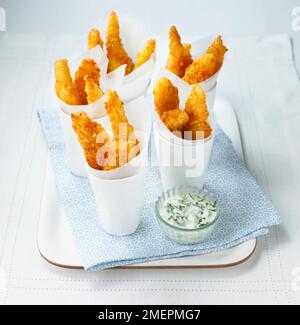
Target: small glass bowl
x,y
181,235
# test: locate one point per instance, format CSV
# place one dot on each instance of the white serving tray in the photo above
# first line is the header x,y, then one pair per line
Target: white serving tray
x,y
55,239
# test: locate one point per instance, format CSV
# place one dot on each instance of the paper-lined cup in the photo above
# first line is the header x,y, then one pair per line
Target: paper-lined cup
x,y
119,202
181,161
119,192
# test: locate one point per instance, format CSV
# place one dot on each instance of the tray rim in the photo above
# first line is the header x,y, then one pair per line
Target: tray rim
x,y
158,267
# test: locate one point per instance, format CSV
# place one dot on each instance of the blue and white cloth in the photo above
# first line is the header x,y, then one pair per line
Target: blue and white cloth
x,y
245,210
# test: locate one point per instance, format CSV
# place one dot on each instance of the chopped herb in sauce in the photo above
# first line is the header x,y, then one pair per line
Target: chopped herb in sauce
x,y
189,210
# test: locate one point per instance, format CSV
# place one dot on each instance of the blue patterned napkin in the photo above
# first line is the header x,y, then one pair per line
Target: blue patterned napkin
x,y
245,211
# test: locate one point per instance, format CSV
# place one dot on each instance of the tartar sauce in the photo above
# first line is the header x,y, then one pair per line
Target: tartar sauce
x,y
188,210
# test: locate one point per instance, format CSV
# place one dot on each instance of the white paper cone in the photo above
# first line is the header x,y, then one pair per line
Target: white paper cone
x,y
137,82
119,202
182,162
134,37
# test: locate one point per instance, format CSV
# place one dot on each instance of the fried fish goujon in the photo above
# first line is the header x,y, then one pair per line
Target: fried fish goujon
x,y
208,64
89,68
143,56
200,130
116,53
179,56
64,86
92,89
166,101
165,96
175,120
103,152
121,128
91,136
94,38
195,106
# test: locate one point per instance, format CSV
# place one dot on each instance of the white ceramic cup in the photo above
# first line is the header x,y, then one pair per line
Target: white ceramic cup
x,y
119,201
182,162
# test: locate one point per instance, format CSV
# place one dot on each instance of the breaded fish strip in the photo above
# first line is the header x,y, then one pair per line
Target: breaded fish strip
x,y
187,54
195,105
179,55
92,89
144,55
175,120
120,126
94,38
89,68
117,153
200,130
91,136
64,85
208,64
116,53
165,96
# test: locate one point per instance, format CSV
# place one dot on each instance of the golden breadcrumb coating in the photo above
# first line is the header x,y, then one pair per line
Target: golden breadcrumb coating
x,y
165,96
179,55
89,68
187,55
92,89
195,105
94,38
145,54
208,64
200,130
91,136
117,153
101,151
116,53
121,128
175,120
64,86
193,118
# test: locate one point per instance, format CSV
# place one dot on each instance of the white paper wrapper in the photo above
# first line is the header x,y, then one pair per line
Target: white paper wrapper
x,y
199,47
119,202
182,162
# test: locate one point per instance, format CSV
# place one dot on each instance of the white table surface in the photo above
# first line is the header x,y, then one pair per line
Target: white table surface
x,y
32,26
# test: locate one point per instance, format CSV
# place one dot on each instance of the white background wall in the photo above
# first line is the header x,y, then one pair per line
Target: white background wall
x,y
231,17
